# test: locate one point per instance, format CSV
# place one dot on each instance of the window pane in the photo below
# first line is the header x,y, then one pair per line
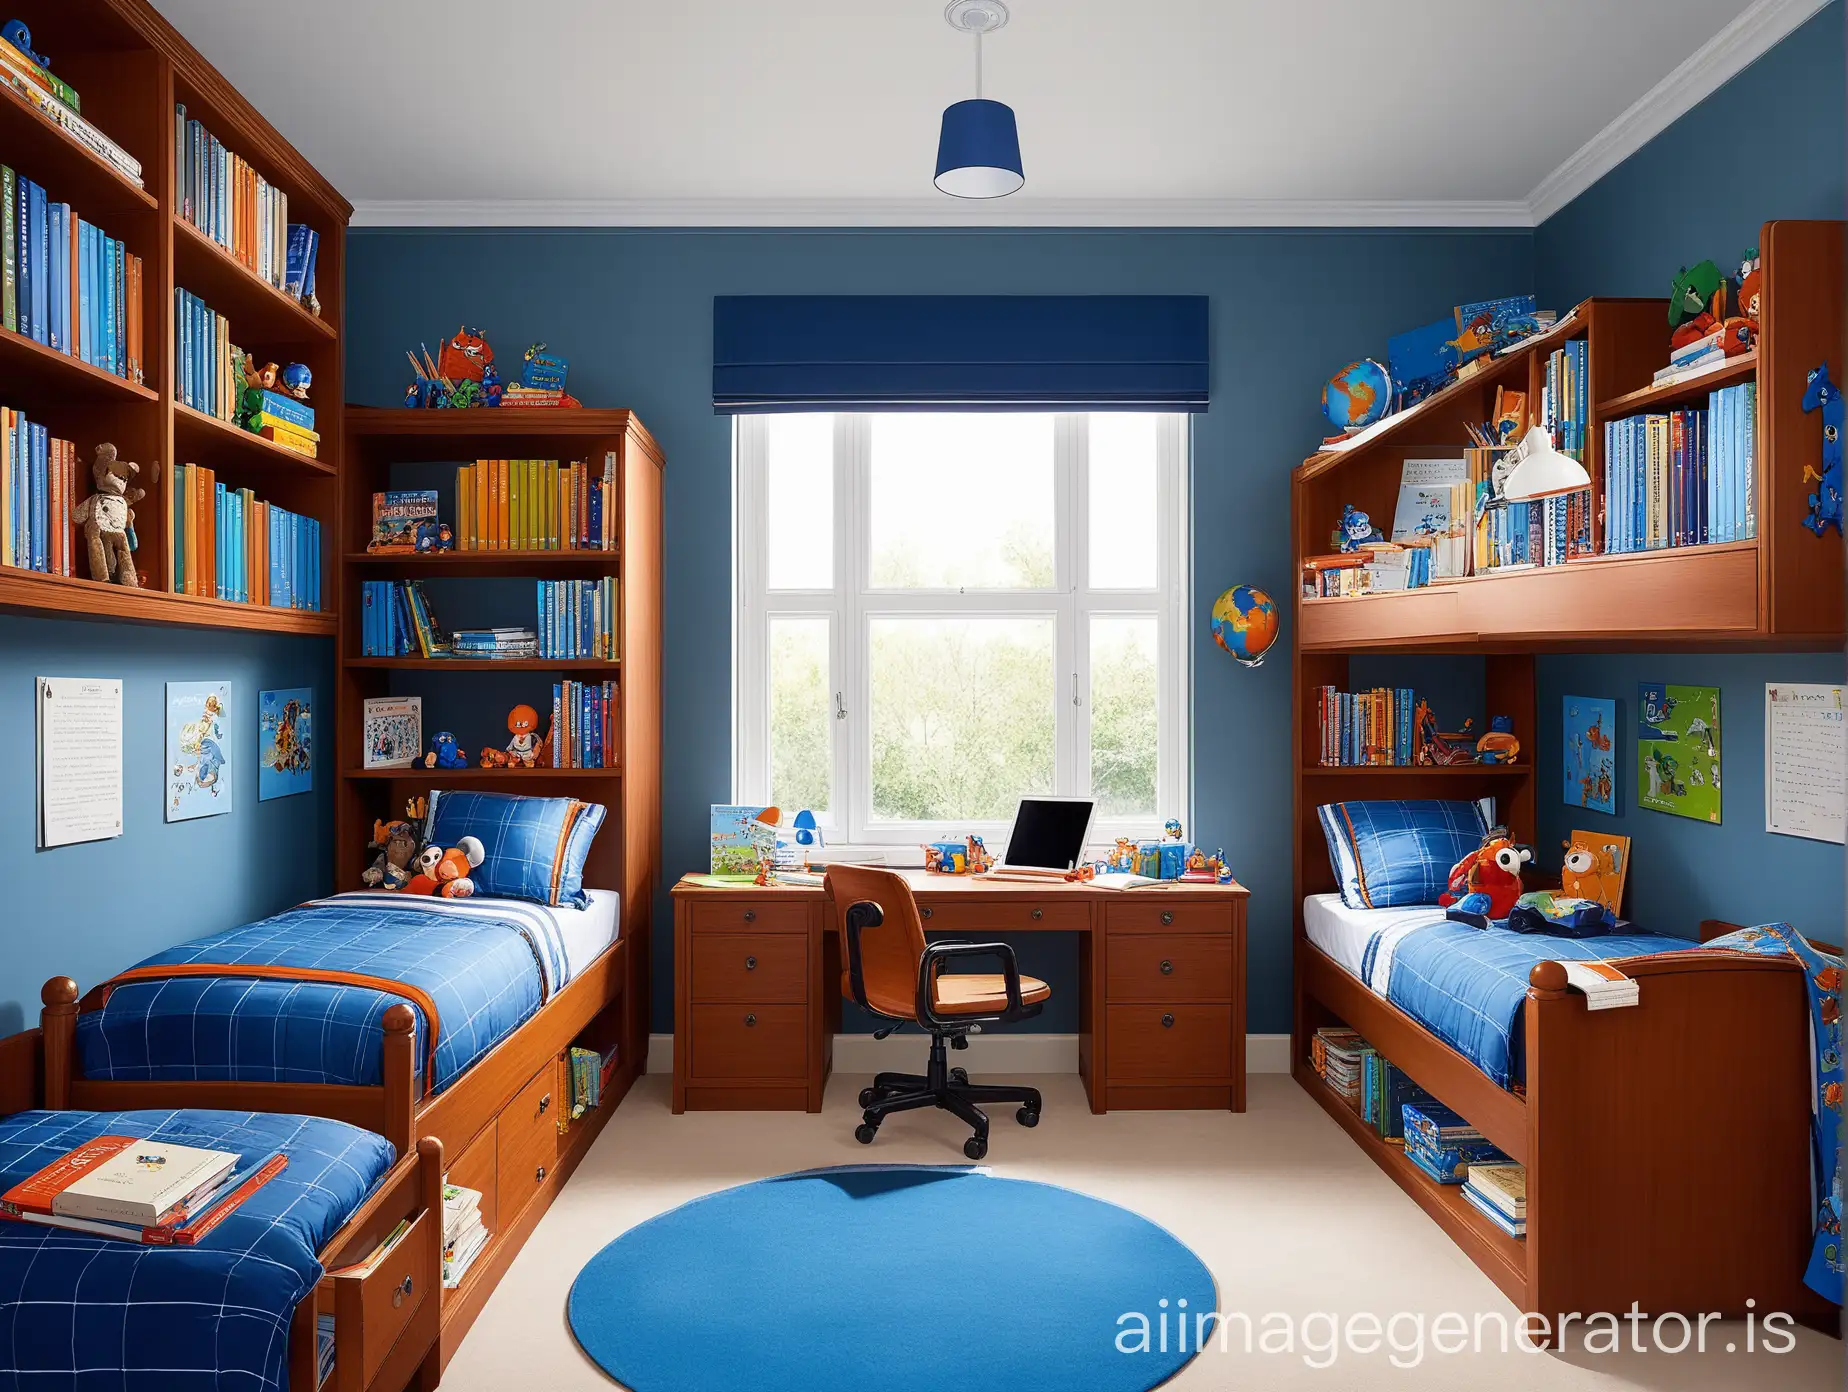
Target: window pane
x,y
799,502
1123,501
801,737
962,502
1123,708
962,717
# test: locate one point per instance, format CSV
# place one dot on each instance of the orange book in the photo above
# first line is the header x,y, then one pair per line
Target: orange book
x,y
500,505
191,578
137,372
55,477
482,468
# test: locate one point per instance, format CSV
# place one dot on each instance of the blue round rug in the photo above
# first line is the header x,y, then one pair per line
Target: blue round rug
x,y
903,1278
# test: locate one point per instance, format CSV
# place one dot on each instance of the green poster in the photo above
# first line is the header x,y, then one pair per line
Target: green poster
x,y
1678,750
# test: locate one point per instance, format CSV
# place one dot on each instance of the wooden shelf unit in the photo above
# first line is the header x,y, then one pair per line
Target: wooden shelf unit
x,y
1781,589
131,66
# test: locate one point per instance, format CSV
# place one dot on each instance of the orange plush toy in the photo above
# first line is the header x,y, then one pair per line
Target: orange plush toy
x,y
446,873
1492,871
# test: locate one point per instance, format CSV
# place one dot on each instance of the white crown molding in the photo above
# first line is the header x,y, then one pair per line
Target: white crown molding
x,y
936,212
1723,57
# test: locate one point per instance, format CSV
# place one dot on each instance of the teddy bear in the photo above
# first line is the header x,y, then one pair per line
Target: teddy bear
x,y
392,868
107,516
445,873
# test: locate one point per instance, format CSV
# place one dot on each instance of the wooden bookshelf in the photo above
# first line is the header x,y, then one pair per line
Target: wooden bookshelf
x,y
131,67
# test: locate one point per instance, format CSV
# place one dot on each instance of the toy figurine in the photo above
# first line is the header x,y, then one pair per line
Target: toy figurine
x,y
296,380
1498,746
966,857
466,394
491,386
444,752
1825,504
523,725
1751,286
1172,829
465,356
1696,304
264,377
1355,531
16,33
107,516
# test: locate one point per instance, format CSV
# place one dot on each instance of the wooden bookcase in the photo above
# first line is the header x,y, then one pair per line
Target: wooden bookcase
x,y
131,67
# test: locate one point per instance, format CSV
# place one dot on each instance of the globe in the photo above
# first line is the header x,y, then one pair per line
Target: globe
x,y
1357,395
1245,623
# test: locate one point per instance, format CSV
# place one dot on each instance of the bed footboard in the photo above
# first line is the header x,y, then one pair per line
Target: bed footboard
x,y
1669,1142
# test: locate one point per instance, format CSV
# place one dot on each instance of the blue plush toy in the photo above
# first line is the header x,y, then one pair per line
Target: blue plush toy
x,y
1825,504
444,752
1356,530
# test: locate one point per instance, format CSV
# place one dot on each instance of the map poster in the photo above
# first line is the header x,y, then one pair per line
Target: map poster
x,y
198,751
1590,743
285,743
1678,750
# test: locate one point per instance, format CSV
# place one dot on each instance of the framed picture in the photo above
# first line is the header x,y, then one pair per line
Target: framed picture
x,y
393,731
285,743
1590,745
1678,750
200,764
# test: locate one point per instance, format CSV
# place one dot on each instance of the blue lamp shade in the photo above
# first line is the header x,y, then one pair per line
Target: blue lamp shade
x,y
978,154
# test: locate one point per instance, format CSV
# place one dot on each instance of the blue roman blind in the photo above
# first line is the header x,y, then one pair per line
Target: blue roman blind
x,y
959,353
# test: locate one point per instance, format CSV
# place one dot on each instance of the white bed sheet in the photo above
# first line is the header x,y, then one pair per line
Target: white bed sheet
x,y
586,932
1343,933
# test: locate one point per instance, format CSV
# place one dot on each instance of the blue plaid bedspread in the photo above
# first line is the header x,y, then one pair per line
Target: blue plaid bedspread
x,y
1468,986
83,1312
486,966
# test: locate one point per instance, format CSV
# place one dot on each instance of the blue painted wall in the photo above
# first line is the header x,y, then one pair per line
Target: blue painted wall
x,y
633,312
1769,144
92,909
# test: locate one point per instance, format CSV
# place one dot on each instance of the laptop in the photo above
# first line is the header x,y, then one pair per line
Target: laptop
x,y
1047,840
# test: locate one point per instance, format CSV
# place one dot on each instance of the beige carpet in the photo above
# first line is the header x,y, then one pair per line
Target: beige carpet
x,y
1282,1207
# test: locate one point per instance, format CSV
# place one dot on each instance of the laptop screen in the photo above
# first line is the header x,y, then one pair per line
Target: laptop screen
x,y
1049,833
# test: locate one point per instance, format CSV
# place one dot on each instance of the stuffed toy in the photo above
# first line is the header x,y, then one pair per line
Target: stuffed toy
x,y
392,868
525,749
445,873
444,752
107,517
1493,869
1561,915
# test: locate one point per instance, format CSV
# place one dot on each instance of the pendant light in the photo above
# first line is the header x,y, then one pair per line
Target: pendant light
x,y
978,153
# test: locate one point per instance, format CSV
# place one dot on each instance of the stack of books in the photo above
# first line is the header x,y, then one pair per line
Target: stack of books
x,y
536,505
577,618
396,620
140,1190
1338,1035
590,1072
1499,1193
464,1234
1385,1089
1368,727
494,643
56,101
1683,478
583,728
1443,1144
219,193
1345,1064
1691,359
38,483
227,543
280,419
323,1348
65,283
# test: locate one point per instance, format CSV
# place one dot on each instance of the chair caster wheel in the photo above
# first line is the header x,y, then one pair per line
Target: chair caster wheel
x,y
975,1147
864,1133
959,1075
868,1096
1026,1116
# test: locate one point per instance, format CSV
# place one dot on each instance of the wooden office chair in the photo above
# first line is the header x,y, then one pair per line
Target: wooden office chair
x,y
891,972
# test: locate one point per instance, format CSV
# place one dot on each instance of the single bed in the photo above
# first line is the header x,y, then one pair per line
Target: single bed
x,y
252,1304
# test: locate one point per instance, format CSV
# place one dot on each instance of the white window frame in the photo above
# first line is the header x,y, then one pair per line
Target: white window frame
x,y
851,605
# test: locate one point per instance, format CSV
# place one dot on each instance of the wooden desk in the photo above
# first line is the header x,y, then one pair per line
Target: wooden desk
x,y
1161,981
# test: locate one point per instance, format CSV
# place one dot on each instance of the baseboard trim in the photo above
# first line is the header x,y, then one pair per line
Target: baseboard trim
x,y
989,1053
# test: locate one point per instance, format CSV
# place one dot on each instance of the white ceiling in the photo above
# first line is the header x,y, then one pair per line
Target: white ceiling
x,y
1141,111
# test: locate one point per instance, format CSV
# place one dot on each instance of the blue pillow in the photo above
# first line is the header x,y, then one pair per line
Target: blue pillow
x,y
534,847
1397,854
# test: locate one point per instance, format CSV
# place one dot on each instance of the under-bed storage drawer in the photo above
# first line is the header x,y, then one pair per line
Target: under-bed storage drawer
x,y
771,967
527,1141
1161,1043
373,1312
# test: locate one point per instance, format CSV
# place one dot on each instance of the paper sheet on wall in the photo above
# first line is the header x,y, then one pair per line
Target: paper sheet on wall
x,y
79,759
1806,762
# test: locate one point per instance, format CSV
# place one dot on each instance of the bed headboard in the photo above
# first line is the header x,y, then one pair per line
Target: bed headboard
x,y
1711,928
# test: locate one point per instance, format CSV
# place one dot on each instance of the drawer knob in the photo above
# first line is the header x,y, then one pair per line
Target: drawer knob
x,y
750,915
404,1289
1167,915
1038,914
926,911
1167,967
1167,1022
539,1175
750,964
545,1104
749,1021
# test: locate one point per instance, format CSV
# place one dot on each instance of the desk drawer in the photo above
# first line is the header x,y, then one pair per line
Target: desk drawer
x,y
1031,912
749,1040
750,916
1153,911
527,1144
770,967
1164,967
1169,1042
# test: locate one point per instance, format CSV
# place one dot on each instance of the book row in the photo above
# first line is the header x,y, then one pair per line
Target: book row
x,y
396,621
56,101
536,505
222,195
583,728
1360,728
38,480
227,543
66,283
1683,478
577,618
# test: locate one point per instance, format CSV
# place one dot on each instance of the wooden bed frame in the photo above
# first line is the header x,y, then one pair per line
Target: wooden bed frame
x,y
504,1125
386,1323
1713,1064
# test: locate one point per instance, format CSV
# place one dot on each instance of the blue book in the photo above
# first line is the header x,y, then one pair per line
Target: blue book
x,y
58,288
41,498
275,556
86,334
296,276
287,408
111,268
314,251
219,568
41,267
